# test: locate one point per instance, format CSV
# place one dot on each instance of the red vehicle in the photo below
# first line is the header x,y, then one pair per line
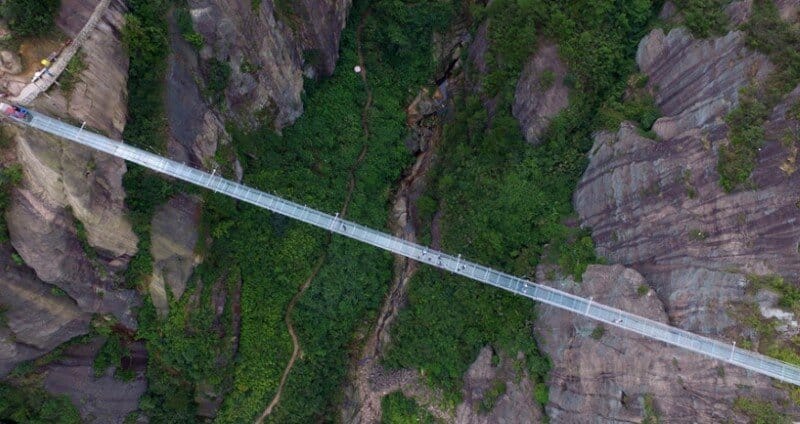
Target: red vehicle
x,y
16,112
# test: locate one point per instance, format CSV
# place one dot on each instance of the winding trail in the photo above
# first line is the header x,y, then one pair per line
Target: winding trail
x,y
351,185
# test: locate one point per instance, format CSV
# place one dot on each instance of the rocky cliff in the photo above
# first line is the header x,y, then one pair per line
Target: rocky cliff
x,y
67,224
657,206
609,375
269,45
540,94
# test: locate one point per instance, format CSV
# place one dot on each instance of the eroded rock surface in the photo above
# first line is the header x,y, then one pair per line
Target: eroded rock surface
x,y
541,93
265,54
34,319
696,81
174,236
658,206
103,399
65,184
515,405
195,129
612,375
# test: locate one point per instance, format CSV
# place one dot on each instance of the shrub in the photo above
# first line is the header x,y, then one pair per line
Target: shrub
x,y
24,404
30,18
598,332
704,18
72,73
186,28
219,73
9,178
759,412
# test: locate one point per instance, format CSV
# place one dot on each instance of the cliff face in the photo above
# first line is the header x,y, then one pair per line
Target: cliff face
x,y
610,375
67,222
658,206
541,93
266,47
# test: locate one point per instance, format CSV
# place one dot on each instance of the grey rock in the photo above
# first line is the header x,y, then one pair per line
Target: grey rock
x,y
174,236
696,82
10,62
541,93
515,405
100,400
34,320
607,378
237,34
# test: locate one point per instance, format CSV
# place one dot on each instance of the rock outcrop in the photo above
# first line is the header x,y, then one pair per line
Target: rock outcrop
x,y
658,207
34,319
174,236
541,93
67,219
195,129
516,403
610,375
318,27
265,53
63,180
696,81
103,399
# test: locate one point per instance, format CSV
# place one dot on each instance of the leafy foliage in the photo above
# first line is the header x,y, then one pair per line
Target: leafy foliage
x,y
704,18
24,404
186,28
505,203
398,409
219,73
72,73
9,177
769,34
759,412
29,18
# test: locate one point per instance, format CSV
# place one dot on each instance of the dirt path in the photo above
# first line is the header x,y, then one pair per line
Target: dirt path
x,y
351,185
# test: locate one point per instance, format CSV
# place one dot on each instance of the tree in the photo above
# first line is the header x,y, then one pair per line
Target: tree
x,y
30,18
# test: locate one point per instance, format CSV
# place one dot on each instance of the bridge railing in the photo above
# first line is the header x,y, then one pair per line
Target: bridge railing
x,y
455,264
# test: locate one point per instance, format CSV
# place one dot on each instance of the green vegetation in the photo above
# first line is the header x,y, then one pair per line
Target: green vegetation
x,y
504,203
311,163
650,414
190,349
790,294
111,354
23,404
72,73
780,41
186,28
398,409
219,73
30,18
145,38
697,234
491,396
642,290
9,178
704,18
598,332
637,105
759,412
